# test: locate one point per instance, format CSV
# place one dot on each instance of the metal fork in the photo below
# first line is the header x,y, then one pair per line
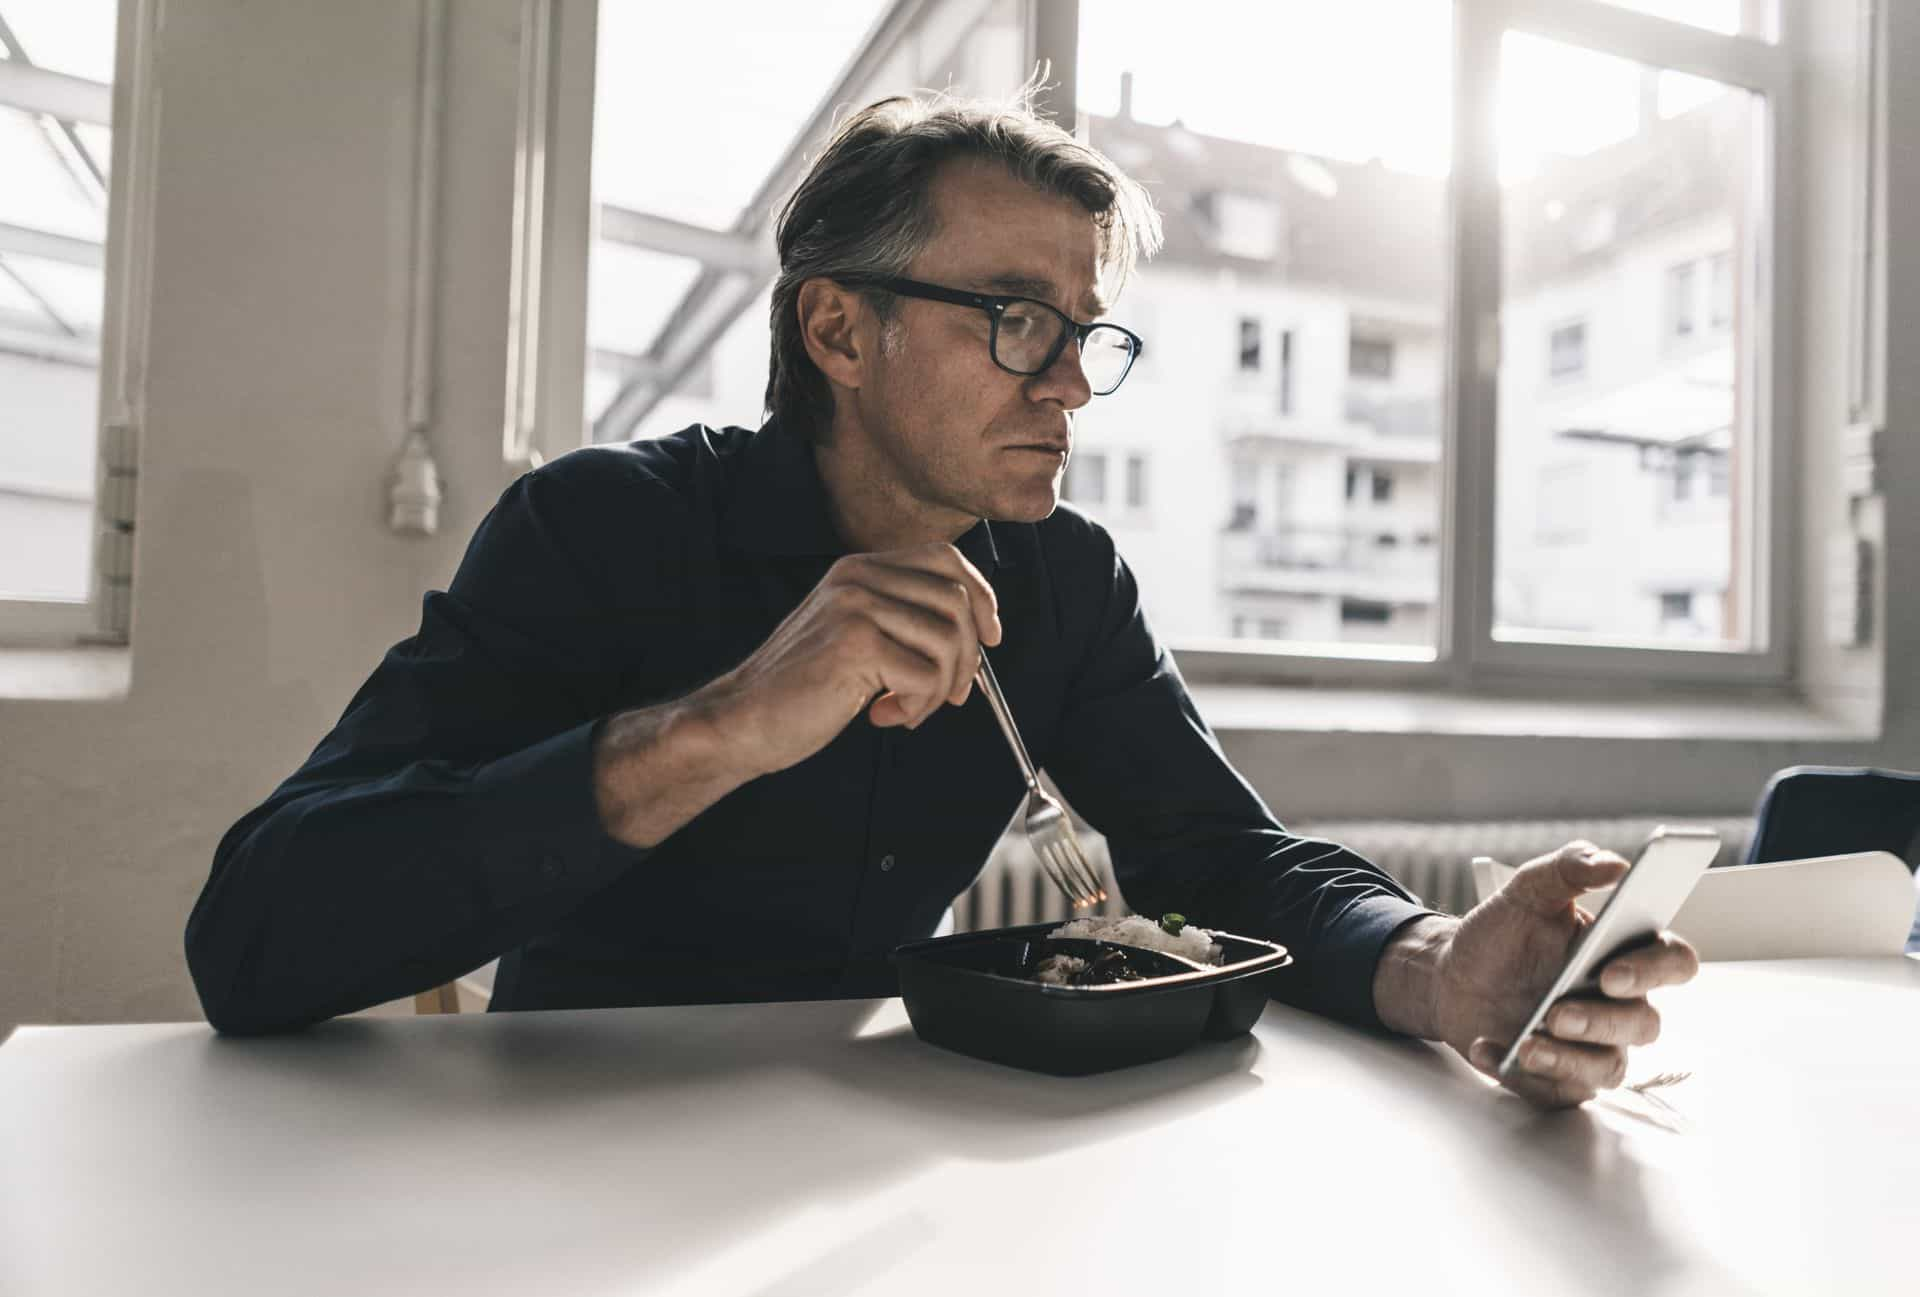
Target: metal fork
x,y
1048,829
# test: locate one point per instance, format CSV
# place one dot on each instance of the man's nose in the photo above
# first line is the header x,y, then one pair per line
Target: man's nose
x,y
1064,381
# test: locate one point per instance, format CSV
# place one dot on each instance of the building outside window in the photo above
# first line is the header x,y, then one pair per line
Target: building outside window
x,y
1720,299
1086,481
1567,351
1370,357
1680,305
1286,371
1249,344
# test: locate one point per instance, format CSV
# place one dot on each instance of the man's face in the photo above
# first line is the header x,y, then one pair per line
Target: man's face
x,y
959,432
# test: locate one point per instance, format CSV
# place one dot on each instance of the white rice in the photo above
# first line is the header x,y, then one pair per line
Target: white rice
x,y
1192,943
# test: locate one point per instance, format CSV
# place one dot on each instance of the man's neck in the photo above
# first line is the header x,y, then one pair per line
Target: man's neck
x,y
870,508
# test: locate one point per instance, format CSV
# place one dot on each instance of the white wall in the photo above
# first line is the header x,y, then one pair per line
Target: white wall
x,y
267,582
268,585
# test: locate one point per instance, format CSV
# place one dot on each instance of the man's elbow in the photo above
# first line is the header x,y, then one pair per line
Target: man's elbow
x,y
231,997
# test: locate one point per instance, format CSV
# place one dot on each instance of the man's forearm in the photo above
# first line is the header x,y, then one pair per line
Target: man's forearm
x,y
1406,981
655,768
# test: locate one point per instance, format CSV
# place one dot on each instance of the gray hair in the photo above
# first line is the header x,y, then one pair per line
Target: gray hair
x,y
865,209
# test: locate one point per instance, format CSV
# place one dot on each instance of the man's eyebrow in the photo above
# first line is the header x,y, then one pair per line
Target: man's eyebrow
x,y
1042,289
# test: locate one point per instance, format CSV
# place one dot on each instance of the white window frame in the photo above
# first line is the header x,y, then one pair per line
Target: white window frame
x,y
1468,657
104,614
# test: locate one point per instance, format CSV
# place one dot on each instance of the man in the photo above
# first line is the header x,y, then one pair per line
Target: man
x,y
693,721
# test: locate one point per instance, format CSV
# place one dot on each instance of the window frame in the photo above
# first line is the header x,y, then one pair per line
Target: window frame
x,y
104,614
1467,655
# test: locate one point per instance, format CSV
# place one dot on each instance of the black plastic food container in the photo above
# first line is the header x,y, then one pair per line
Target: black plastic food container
x,y
970,993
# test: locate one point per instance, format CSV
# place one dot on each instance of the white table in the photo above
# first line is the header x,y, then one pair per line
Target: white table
x,y
820,1148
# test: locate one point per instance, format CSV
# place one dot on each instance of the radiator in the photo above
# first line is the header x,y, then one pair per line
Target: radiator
x,y
1433,860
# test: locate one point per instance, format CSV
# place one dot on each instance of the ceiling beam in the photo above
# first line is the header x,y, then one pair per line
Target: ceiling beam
x,y
717,249
24,241
67,98
75,154
51,348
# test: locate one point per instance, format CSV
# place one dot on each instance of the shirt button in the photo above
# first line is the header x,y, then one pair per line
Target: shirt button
x,y
886,863
550,866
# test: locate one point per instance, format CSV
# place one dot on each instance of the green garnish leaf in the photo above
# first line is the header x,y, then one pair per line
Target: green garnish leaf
x,y
1172,923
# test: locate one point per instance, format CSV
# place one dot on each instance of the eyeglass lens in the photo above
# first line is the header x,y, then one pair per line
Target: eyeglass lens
x,y
1028,333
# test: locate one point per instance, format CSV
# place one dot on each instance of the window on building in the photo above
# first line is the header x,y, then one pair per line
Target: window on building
x,y
1676,606
1680,300
1243,225
1353,482
1567,350
1086,480
1244,489
1286,371
1365,612
1382,486
1136,482
1370,357
1249,343
1683,478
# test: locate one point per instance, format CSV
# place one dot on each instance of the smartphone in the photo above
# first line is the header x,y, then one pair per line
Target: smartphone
x,y
1642,903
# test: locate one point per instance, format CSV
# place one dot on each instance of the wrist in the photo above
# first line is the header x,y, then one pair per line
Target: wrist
x,y
657,767
1407,979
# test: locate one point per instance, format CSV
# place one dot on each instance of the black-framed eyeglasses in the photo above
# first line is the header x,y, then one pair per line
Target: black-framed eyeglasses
x,y
1029,335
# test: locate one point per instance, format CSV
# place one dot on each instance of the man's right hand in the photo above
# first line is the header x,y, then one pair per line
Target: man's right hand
x,y
894,634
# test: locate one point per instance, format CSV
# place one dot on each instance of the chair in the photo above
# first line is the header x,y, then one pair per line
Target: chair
x,y
1832,810
1810,811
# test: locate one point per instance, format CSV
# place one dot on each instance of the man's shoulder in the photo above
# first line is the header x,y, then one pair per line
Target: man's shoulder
x,y
659,466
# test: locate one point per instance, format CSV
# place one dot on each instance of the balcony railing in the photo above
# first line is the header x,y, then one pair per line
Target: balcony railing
x,y
1330,560
1414,418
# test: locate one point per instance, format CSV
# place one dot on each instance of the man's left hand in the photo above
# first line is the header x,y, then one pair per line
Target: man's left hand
x,y
1485,973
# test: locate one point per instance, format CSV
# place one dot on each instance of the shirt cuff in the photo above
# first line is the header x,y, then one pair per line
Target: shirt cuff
x,y
535,826
1349,952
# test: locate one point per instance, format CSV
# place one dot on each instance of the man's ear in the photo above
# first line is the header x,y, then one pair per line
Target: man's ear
x,y
830,324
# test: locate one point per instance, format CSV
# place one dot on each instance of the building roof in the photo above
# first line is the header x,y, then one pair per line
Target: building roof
x,y
1363,230
1367,231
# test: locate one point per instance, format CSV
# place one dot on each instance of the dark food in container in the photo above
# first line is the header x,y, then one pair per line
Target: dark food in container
x,y
976,993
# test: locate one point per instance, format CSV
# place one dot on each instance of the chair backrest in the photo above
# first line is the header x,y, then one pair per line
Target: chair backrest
x,y
1811,811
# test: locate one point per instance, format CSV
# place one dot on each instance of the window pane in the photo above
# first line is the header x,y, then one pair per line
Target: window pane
x,y
41,189
54,211
780,59
70,36
1301,171
651,155
1624,226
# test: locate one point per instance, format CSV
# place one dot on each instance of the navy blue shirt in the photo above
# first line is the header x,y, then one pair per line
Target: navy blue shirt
x,y
449,818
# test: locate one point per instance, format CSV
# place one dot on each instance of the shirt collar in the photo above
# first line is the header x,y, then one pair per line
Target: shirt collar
x,y
779,506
